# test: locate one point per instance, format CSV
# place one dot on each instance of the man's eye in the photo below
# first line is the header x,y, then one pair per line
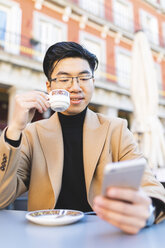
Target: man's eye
x,y
63,80
84,78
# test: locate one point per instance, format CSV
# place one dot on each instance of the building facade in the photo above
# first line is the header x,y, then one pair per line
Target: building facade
x,y
105,27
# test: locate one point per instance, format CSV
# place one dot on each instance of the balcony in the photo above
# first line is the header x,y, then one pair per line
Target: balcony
x,y
27,52
28,49
104,11
117,20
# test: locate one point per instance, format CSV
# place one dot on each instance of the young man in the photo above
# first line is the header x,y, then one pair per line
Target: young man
x,y
61,160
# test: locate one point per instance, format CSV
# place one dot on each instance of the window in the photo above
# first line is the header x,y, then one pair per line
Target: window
x,y
153,1
3,17
162,4
95,7
47,32
96,46
123,14
123,67
163,33
10,26
149,24
158,75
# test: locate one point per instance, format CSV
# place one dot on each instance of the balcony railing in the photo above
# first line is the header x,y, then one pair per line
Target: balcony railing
x,y
104,10
120,19
31,48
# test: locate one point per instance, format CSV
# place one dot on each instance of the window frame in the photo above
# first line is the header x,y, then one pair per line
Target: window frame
x,y
130,19
119,49
5,10
12,39
162,4
151,38
102,60
37,18
163,33
88,7
158,71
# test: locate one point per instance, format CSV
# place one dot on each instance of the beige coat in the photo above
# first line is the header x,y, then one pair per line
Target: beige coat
x,y
37,164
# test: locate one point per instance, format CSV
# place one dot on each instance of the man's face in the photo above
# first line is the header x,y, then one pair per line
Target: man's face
x,y
80,93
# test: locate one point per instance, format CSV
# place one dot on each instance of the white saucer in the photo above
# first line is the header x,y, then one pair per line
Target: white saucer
x,y
50,217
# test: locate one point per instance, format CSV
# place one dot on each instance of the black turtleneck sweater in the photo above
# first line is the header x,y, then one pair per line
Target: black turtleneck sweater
x,y
73,190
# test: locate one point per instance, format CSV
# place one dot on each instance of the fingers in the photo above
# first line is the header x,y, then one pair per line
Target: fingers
x,y
34,99
36,104
125,208
24,108
128,195
126,223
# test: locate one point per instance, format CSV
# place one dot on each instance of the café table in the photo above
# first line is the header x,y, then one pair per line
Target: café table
x,y
90,232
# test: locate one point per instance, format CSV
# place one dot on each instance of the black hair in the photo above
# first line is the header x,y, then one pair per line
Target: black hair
x,y
61,50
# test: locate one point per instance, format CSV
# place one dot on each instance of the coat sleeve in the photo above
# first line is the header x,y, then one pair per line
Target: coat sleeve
x,y
14,170
126,149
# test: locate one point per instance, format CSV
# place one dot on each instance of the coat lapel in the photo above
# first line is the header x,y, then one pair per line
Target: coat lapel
x,y
50,135
94,135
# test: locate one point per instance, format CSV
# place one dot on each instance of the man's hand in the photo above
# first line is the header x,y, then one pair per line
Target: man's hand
x,y
24,109
124,208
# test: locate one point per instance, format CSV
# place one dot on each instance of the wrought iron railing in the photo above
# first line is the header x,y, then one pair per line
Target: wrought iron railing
x,y
24,46
119,19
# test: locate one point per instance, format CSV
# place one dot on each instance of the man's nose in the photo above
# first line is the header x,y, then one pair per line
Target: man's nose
x,y
75,84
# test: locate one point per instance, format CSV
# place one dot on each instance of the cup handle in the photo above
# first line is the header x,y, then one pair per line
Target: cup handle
x,y
48,99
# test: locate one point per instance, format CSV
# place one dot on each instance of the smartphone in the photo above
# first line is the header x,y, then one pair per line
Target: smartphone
x,y
126,174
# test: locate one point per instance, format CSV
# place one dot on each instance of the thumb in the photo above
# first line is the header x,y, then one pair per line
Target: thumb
x,y
31,114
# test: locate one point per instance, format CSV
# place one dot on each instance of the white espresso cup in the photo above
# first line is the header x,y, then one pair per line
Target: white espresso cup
x,y
59,100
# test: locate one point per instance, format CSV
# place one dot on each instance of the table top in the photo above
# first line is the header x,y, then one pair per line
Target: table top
x,y
16,232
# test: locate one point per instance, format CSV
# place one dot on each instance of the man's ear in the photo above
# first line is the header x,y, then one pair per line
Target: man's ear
x,y
48,86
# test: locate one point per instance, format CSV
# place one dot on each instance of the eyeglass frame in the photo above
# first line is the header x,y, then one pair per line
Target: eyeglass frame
x,y
77,78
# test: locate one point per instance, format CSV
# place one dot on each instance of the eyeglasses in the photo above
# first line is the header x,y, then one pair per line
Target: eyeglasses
x,y
67,81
